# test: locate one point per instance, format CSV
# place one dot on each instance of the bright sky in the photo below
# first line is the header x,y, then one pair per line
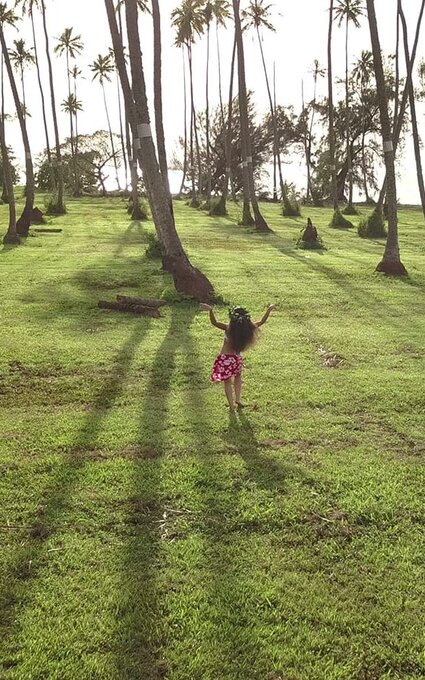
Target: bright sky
x,y
301,37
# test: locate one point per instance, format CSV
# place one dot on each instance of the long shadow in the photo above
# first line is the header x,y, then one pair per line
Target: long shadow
x,y
141,637
65,479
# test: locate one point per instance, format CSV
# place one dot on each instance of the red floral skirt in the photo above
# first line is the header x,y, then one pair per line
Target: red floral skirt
x,y
226,366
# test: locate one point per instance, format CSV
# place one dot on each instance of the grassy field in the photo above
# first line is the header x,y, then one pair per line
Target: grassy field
x,y
143,535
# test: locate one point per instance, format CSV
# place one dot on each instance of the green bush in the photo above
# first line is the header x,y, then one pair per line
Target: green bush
x,y
372,226
140,211
53,207
350,209
153,249
339,222
291,210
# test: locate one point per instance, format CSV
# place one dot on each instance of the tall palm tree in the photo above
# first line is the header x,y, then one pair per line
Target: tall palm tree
x,y
188,20
249,184
412,103
331,111
157,83
348,11
391,262
71,45
187,279
362,74
218,10
124,150
8,17
21,57
58,207
318,72
102,67
11,237
257,15
76,73
71,105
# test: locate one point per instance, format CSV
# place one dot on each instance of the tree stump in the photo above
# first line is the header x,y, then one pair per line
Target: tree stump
x,y
37,216
310,233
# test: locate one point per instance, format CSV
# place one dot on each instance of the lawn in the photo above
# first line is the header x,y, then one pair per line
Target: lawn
x,y
143,533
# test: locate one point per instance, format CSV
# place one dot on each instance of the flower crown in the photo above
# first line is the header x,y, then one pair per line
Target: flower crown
x,y
239,314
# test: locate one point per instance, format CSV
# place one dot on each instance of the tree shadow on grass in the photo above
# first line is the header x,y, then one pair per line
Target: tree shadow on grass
x,y
32,555
141,634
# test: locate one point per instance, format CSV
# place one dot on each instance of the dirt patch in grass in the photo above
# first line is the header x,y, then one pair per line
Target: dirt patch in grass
x,y
330,359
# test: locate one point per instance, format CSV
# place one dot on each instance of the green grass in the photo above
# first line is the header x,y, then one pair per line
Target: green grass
x,y
143,535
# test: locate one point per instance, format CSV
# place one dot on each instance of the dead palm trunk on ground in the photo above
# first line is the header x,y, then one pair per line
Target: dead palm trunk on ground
x,y
391,263
187,279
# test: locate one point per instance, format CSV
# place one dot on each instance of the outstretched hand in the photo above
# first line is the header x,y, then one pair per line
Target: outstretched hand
x,y
205,307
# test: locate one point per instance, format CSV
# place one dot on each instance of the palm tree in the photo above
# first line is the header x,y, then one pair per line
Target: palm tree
x,y
349,11
125,155
362,74
11,237
71,105
331,111
249,185
188,20
187,279
102,67
258,16
157,83
21,57
75,74
218,10
27,7
58,205
318,72
412,103
8,17
391,263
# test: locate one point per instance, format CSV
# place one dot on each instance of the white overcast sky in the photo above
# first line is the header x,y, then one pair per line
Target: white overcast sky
x,y
301,37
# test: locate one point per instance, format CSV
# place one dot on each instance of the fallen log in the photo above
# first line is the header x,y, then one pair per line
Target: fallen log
x,y
42,230
132,308
145,302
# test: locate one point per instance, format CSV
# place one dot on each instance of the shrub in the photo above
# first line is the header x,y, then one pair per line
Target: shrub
x,y
339,222
218,207
350,209
53,207
291,210
372,226
154,249
138,212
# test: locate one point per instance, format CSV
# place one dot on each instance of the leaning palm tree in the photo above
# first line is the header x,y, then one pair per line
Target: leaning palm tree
x,y
102,68
187,279
188,20
21,58
27,7
57,205
348,11
412,103
11,237
331,110
248,170
8,17
391,263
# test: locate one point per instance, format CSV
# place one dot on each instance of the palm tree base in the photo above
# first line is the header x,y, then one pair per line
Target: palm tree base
x,y
350,210
261,225
391,267
10,239
339,222
218,207
187,279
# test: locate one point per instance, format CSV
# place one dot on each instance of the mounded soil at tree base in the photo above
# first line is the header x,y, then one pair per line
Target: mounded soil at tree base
x,y
23,225
392,267
11,239
187,279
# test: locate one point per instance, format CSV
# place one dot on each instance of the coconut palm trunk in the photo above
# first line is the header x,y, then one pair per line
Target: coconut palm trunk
x,y
412,104
59,208
260,222
11,237
24,221
347,123
157,83
187,279
391,263
228,135
207,119
185,126
334,189
40,87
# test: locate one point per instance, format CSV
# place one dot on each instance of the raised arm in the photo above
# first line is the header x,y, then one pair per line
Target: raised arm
x,y
217,324
266,315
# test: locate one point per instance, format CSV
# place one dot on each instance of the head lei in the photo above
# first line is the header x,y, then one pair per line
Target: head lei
x,y
239,314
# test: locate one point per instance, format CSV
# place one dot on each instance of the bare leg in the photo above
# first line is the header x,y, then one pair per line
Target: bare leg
x,y
238,389
228,388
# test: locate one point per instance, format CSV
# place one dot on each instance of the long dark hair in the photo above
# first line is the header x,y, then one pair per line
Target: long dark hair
x,y
241,332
